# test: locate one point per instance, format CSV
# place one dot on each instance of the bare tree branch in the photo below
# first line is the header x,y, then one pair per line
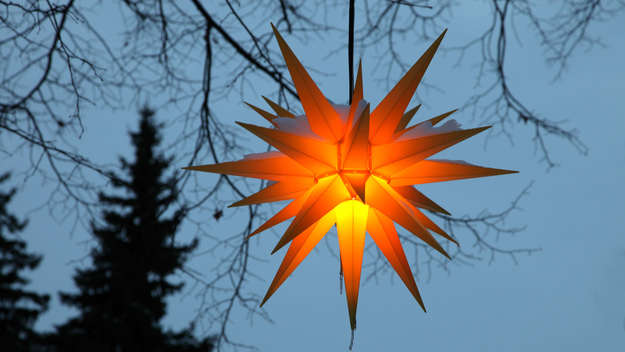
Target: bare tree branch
x,y
57,61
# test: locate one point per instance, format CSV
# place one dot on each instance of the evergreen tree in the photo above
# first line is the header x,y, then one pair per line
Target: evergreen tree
x,y
19,308
122,295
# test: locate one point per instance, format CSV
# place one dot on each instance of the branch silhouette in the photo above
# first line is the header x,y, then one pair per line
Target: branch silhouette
x,y
192,55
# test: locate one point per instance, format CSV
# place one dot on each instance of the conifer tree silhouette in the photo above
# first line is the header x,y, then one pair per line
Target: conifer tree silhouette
x,y
19,308
121,297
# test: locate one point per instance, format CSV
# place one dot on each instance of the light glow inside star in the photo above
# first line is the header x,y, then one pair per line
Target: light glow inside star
x,y
354,168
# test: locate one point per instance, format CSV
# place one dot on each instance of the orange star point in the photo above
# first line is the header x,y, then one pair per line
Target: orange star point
x,y
353,168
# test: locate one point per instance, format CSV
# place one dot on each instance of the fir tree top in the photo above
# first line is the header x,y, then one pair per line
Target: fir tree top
x,y
19,308
122,295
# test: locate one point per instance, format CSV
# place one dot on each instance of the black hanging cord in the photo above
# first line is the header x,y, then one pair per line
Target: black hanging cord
x,y
350,49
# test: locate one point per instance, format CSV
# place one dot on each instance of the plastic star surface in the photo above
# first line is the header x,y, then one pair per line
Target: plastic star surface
x,y
348,166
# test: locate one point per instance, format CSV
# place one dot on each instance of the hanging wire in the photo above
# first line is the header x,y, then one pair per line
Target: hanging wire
x,y
350,49
351,341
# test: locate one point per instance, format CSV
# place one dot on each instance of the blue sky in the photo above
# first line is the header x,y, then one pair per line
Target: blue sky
x,y
568,296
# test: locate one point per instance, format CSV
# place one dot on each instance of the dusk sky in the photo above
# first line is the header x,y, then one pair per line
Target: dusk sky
x,y
568,296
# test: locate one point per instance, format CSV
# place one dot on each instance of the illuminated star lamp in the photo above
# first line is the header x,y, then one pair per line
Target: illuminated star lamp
x,y
348,166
